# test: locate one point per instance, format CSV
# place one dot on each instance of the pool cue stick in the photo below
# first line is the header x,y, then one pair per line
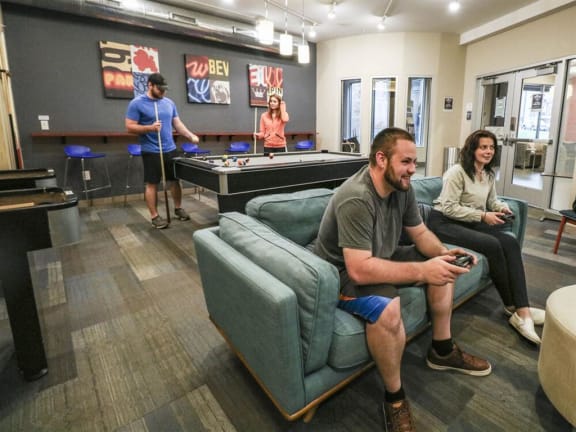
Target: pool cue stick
x,y
255,120
162,166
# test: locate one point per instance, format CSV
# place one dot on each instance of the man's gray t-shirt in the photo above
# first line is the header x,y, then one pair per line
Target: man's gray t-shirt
x,y
358,218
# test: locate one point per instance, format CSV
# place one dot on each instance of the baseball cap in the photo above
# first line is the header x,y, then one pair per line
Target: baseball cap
x,y
158,80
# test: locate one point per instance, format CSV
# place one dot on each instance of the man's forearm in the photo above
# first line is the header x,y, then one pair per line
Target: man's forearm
x,y
429,245
183,130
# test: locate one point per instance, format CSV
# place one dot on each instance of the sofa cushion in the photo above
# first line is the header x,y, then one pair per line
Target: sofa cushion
x,y
314,281
427,189
294,215
349,348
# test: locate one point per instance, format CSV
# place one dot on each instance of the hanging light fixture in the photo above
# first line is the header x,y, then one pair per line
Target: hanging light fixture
x,y
265,28
303,48
286,45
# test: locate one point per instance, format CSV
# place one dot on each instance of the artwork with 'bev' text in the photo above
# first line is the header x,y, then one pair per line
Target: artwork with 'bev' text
x,y
264,81
125,68
207,80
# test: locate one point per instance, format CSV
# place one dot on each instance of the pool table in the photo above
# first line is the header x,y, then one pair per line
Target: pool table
x,y
31,219
27,178
239,182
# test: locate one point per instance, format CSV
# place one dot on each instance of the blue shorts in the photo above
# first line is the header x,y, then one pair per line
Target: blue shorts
x,y
369,308
369,301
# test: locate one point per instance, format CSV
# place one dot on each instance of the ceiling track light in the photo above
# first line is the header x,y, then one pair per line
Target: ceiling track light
x,y
332,11
382,23
454,6
312,32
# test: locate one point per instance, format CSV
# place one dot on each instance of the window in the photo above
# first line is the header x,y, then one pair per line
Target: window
x,y
566,153
418,109
350,109
383,102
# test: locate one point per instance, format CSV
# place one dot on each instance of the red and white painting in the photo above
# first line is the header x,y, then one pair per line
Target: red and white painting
x,y
264,81
125,68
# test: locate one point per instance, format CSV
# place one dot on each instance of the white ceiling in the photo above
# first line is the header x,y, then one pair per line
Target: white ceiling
x,y
476,17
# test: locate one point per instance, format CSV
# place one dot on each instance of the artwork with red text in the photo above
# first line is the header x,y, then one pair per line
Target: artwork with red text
x,y
125,68
264,81
207,80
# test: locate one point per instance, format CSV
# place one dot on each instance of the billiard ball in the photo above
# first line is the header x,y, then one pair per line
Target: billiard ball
x,y
234,159
240,162
211,161
224,157
226,163
271,155
246,161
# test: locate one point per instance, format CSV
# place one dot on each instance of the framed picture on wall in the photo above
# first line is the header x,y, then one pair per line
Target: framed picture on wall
x,y
264,81
207,80
125,68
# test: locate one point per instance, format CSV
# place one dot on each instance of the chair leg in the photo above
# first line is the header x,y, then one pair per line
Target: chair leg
x,y
130,157
559,235
66,172
84,182
310,414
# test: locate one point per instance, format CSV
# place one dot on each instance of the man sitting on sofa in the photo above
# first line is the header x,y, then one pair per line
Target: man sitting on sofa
x,y
359,234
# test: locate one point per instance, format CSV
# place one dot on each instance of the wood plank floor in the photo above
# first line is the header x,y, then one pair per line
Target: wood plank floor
x,y
130,346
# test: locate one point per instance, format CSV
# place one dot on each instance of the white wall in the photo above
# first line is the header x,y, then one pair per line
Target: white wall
x,y
396,55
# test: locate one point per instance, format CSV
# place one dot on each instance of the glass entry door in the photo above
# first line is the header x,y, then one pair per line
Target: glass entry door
x,y
495,95
524,112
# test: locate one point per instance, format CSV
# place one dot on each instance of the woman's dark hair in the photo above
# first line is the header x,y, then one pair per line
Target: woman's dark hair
x,y
467,157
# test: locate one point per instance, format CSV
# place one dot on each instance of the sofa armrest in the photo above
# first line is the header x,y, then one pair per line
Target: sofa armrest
x,y
520,209
258,315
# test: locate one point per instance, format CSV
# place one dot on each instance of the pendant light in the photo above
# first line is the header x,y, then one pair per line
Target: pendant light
x,y
286,45
303,49
265,28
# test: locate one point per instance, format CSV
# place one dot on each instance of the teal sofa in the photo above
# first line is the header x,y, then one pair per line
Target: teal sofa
x,y
274,301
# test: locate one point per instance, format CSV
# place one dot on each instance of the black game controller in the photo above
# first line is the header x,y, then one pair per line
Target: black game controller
x,y
462,260
508,217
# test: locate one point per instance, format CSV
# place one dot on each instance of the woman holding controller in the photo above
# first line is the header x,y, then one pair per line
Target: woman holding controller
x,y
469,214
272,124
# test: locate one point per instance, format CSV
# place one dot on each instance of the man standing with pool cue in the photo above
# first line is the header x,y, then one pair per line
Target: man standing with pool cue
x,y
152,116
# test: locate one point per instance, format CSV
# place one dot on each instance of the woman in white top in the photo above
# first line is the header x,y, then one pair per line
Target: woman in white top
x,y
468,213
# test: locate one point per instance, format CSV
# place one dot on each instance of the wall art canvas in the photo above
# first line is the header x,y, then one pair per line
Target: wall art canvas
x,y
207,80
125,68
264,81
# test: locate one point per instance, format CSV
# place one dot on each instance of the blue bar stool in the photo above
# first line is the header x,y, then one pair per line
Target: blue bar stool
x,y
134,150
83,153
192,149
238,147
304,145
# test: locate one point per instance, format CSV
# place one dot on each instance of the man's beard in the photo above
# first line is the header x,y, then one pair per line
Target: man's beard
x,y
158,94
395,183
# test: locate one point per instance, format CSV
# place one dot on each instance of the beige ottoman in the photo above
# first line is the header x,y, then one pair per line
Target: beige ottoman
x,y
557,361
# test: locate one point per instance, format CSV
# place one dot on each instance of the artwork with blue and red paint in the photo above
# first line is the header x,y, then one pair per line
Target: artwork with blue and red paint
x,y
207,80
125,68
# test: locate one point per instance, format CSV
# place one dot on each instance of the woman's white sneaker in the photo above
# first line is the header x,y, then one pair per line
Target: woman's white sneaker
x,y
524,326
538,315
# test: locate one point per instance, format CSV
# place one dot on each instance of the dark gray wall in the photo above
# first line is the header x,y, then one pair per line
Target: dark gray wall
x,y
55,67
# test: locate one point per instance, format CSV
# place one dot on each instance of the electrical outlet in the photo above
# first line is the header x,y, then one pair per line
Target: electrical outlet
x,y
86,175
